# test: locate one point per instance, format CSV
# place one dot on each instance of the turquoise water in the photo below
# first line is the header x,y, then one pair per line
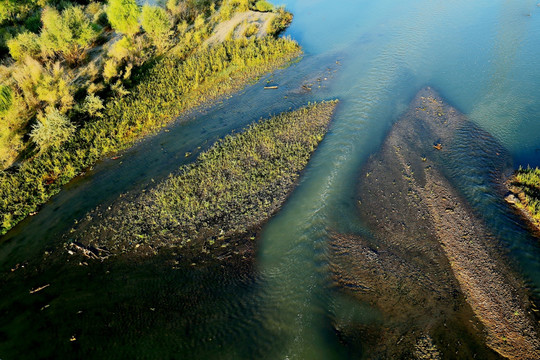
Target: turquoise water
x,y
372,55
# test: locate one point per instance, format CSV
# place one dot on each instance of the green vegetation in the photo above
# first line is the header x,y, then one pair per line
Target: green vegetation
x,y
77,90
53,129
157,24
68,34
263,6
230,190
124,16
526,185
169,88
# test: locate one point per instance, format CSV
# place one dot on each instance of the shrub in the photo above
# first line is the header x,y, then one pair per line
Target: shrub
x,y
51,85
122,49
97,13
25,44
69,33
251,30
527,182
124,16
263,6
282,20
156,23
55,88
93,105
52,130
110,70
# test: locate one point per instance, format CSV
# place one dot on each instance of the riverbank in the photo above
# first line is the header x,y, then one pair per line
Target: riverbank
x,y
173,86
438,272
524,186
215,204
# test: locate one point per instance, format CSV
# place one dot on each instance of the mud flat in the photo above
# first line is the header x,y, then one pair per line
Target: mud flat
x,y
429,264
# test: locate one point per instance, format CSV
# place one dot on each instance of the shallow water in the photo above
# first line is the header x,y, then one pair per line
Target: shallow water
x,y
375,55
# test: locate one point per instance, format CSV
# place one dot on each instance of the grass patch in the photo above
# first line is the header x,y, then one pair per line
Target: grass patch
x,y
526,185
230,191
173,85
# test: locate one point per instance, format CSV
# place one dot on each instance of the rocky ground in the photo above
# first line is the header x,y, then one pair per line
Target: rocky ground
x,y
431,265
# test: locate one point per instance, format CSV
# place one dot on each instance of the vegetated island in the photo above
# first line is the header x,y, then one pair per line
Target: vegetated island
x,y
217,204
525,188
84,79
429,264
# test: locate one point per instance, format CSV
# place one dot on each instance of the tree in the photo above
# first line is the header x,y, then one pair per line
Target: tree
x,y
44,86
52,129
124,16
156,23
25,44
69,33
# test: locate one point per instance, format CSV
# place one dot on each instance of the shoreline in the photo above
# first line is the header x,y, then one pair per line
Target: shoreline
x,y
210,92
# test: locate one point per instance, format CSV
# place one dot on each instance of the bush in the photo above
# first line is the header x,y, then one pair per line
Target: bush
x,y
282,20
25,44
527,183
93,105
263,6
124,16
122,49
53,129
69,33
110,70
157,25
251,29
50,85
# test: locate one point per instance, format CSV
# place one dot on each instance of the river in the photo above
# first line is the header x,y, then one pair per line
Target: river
x,y
374,56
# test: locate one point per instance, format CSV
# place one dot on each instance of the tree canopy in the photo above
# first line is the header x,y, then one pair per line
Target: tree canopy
x,y
69,33
124,16
156,23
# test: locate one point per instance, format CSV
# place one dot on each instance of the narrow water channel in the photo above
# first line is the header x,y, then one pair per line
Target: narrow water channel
x,y
374,56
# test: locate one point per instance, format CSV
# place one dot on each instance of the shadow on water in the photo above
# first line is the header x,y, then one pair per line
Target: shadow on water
x,y
134,309
155,158
131,309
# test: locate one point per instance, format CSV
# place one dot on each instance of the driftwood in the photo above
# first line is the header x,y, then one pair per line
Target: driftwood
x,y
39,288
90,252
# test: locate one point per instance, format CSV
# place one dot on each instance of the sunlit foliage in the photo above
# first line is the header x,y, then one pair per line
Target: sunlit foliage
x,y
53,129
156,24
124,16
69,33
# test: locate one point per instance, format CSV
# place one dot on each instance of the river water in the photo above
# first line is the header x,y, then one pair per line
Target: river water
x,y
481,56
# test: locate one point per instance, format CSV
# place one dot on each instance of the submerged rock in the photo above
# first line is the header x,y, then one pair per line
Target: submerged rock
x,y
431,265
